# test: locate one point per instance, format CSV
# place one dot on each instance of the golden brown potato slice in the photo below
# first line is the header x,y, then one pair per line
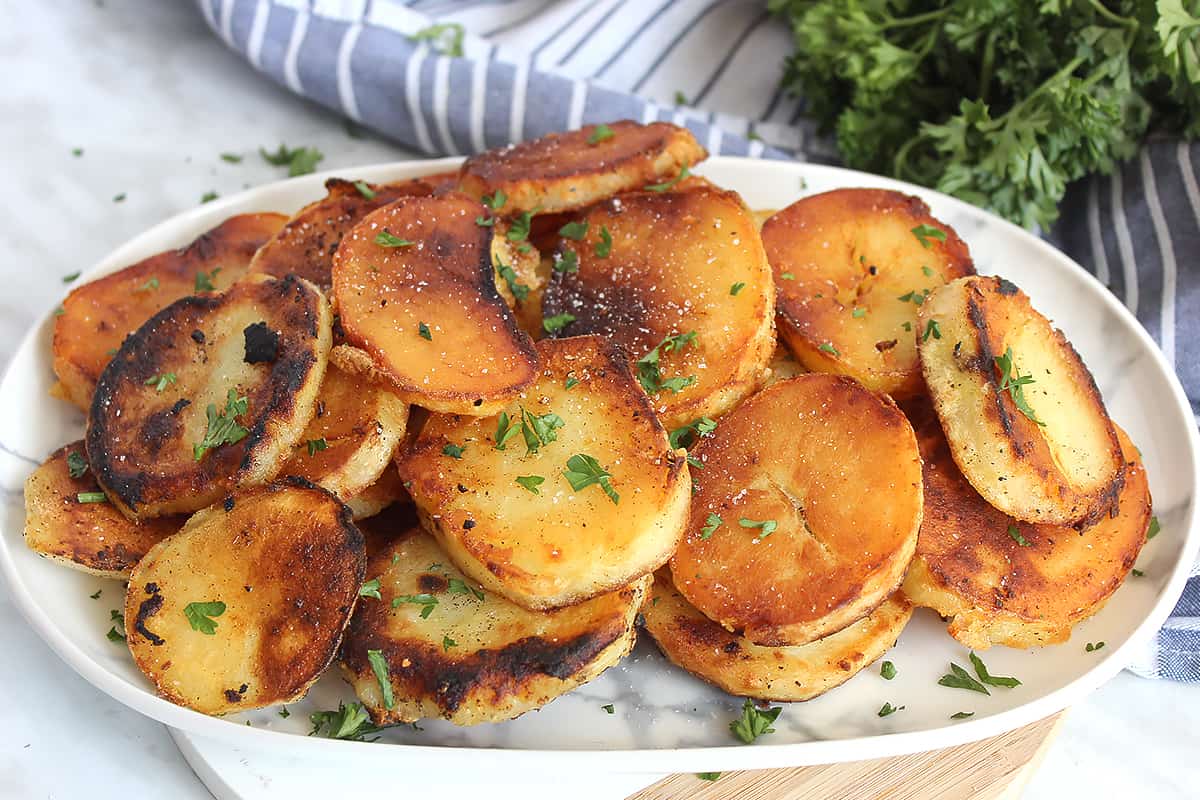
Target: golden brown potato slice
x,y
657,266
1025,421
574,169
806,514
413,283
245,606
387,491
737,665
212,392
68,519
1004,582
585,496
783,365
521,275
306,244
97,316
357,426
443,647
852,267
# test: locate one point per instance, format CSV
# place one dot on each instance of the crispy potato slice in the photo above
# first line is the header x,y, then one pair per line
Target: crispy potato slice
x,y
1067,470
563,171
1004,582
97,316
427,312
284,563
737,665
385,492
851,271
679,263
523,286
144,428
353,435
472,657
305,245
783,365
91,536
781,546
549,545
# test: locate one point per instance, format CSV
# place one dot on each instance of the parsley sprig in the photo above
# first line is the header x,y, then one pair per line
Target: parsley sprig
x,y
754,722
223,428
648,373
1013,382
200,616
584,470
299,161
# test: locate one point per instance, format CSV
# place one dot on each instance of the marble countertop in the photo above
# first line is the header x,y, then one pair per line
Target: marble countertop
x,y
153,100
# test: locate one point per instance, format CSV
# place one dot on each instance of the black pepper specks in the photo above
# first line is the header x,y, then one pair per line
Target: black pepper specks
x,y
198,336
468,524
229,503
262,344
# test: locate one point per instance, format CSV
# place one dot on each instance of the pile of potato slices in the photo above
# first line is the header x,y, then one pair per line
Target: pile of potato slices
x,y
465,435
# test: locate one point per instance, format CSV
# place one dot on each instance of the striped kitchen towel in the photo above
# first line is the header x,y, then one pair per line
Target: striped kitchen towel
x,y
500,71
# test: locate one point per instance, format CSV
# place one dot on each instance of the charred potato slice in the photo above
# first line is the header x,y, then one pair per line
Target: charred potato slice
x,y
1025,421
564,171
211,393
413,283
738,666
305,245
68,519
1004,582
852,267
353,435
450,650
657,266
97,316
511,519
781,546
246,605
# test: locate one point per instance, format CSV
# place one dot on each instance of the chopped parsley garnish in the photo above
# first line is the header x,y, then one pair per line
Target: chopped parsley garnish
x,y
76,465
571,382
959,678
386,238
928,272
119,198
931,329
365,190
1091,648
160,382
454,450
666,186
584,470
828,348
962,714
423,332
379,666
77,151
348,722
566,261
689,434
914,297
539,429
574,231
446,38
888,709
680,98
1153,528
887,670
204,280
926,232
496,200
1013,382
531,482
518,230
505,430
991,680
1137,573
907,326
200,616
485,222
556,323
600,133
610,708
710,526
1016,536
604,246
447,643
754,722
231,158
222,428
519,290
767,526
708,776
300,161
74,276
92,497
370,589
858,313
427,602
648,373
459,586
787,276
316,445
96,595
148,286
737,287
208,197
117,632
283,712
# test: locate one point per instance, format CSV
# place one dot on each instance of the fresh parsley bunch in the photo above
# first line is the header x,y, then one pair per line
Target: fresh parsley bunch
x,y
999,102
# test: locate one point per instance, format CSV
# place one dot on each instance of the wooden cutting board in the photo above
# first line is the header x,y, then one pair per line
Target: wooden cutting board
x,y
992,769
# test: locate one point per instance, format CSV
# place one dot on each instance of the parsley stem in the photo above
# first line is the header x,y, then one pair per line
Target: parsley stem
x,y
916,19
1125,22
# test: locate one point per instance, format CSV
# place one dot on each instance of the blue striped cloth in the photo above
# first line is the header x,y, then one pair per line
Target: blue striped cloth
x,y
530,67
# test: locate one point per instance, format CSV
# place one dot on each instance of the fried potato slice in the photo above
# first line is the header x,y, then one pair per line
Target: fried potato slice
x,y
448,649
521,275
781,546
852,267
737,665
1004,582
563,171
179,383
1025,421
373,500
64,522
246,605
677,264
413,283
97,316
357,426
541,543
305,245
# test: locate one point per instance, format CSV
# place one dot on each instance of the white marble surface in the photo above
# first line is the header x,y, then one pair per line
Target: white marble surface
x,y
153,100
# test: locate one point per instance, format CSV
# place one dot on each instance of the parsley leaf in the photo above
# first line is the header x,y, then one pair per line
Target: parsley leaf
x,y
231,158
423,332
959,678
931,329
991,680
962,714
888,709
737,287
454,450
446,38
708,776
600,133
691,433
370,589
566,261
925,232
74,276
604,246
76,464
767,526
610,708
539,430
858,313
710,526
300,161
379,666
447,643
557,322
204,280
496,200
1016,536
519,290
531,482
199,616
348,722
518,229
1013,382
826,347
386,238
574,230
754,722
571,382
427,602
117,632
648,373
1153,529
222,428
666,186
505,430
887,670
459,586
584,470
160,382
149,286
91,497
208,197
